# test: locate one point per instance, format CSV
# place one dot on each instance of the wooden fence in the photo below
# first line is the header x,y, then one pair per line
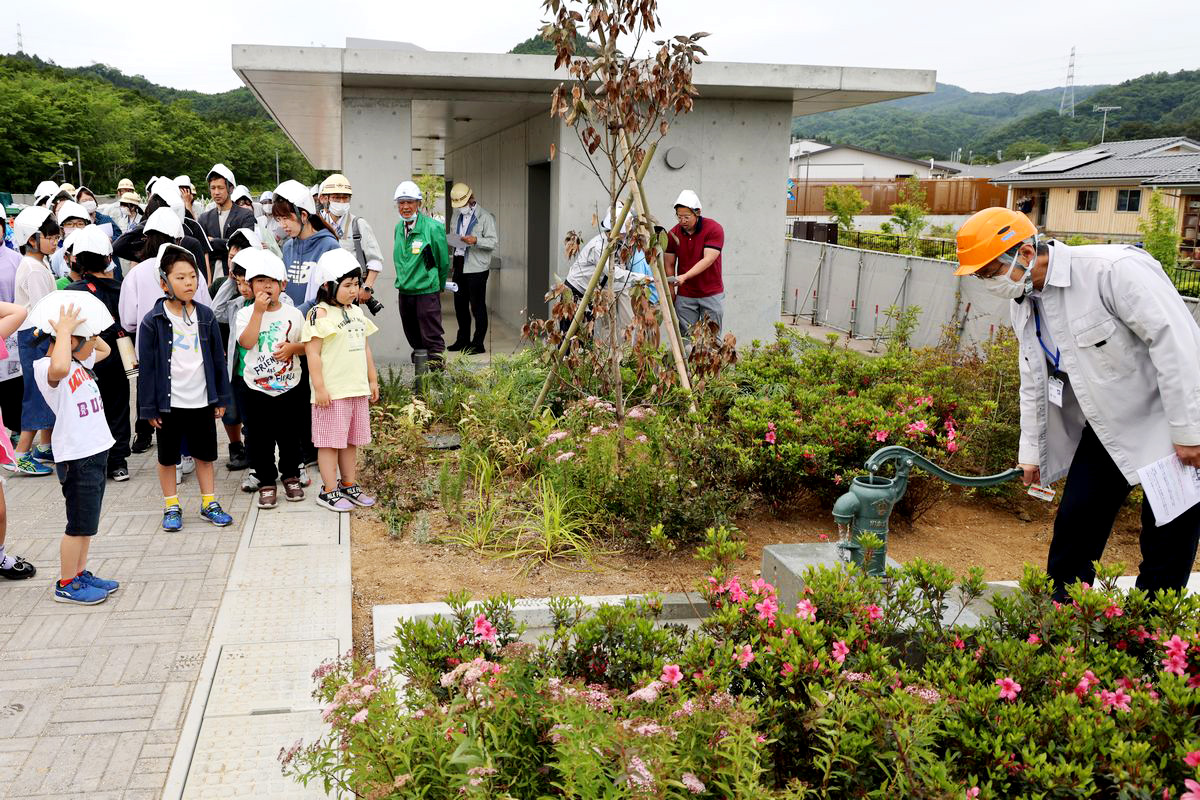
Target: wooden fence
x,y
942,196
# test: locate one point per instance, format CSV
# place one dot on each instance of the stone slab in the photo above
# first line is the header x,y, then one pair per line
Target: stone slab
x,y
308,526
237,757
299,566
533,612
267,678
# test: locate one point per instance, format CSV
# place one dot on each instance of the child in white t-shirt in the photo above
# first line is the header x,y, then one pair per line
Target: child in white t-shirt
x,y
274,407
343,378
81,440
13,568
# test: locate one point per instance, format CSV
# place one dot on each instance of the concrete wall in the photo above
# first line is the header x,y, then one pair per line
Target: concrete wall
x,y
738,165
496,169
376,156
836,164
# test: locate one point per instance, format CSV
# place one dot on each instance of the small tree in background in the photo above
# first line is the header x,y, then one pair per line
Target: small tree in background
x,y
1160,230
432,187
910,212
844,203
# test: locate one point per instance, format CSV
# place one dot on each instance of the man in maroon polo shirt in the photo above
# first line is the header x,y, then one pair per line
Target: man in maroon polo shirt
x,y
694,257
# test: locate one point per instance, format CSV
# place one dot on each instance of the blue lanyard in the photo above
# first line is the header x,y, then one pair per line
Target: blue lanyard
x,y
1037,324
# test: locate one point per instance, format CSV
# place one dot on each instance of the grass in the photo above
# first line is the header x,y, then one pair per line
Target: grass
x,y
481,522
553,529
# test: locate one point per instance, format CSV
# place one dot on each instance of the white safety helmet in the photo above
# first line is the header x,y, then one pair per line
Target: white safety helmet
x,y
169,192
266,264
688,199
91,240
266,197
44,191
253,241
239,192
27,223
297,194
165,221
184,182
221,171
69,209
607,223
333,265
407,190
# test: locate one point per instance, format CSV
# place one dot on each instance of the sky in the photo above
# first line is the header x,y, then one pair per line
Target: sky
x,y
981,47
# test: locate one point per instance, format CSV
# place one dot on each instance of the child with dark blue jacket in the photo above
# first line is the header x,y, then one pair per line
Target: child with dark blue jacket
x,y
183,387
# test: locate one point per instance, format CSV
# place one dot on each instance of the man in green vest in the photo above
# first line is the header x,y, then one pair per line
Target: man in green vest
x,y
422,266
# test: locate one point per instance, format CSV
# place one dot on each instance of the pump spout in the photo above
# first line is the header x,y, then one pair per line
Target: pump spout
x,y
906,459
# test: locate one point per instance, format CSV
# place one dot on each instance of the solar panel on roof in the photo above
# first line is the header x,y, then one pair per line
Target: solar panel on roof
x,y
1067,162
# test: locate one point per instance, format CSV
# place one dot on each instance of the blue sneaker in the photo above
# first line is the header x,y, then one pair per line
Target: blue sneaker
x,y
100,583
216,515
173,518
79,592
28,465
43,453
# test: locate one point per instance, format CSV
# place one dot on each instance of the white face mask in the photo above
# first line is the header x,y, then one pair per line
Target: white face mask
x,y
266,207
89,206
1006,287
339,209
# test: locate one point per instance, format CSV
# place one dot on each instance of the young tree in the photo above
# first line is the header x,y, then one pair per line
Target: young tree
x,y
1160,230
844,203
619,103
910,212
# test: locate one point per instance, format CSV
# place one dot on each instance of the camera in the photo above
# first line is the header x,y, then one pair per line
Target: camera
x,y
373,305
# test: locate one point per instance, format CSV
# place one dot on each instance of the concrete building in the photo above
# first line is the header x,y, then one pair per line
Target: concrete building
x,y
811,160
380,112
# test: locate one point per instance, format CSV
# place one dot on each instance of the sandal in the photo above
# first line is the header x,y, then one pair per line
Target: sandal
x,y
267,496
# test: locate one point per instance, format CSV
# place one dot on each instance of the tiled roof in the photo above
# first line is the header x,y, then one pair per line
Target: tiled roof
x,y
1186,176
1112,160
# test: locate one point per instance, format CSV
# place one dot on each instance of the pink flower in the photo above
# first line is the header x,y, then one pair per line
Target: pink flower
x,y
641,438
561,457
880,435
1085,684
822,537
973,792
1193,790
360,717
917,428
1034,639
556,436
1176,646
959,644
761,587
770,437
1118,699
951,446
1192,759
595,429
787,669
1113,610
1009,689
874,612
840,650
671,675
1175,663
484,629
692,783
745,656
736,593
806,610
767,609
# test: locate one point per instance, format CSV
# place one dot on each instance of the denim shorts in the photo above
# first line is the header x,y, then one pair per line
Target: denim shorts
x,y
35,414
83,489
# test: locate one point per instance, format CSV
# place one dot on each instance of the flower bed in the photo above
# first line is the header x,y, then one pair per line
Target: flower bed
x,y
861,690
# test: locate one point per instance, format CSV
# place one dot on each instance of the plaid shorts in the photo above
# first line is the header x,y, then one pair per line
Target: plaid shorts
x,y
345,421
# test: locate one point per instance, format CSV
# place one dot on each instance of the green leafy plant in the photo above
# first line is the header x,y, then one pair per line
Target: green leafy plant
x,y
844,202
1160,230
552,530
910,212
480,526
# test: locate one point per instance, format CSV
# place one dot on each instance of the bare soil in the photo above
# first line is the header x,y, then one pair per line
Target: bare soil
x,y
959,533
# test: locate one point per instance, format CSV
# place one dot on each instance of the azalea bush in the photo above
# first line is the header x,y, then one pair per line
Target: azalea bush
x,y
860,687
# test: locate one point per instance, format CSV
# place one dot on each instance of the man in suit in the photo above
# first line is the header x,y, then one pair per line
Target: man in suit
x,y
220,221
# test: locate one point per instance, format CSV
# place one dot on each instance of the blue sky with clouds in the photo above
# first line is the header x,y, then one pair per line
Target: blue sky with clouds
x,y
981,46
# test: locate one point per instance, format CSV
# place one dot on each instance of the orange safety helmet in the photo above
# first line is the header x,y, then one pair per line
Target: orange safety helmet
x,y
988,234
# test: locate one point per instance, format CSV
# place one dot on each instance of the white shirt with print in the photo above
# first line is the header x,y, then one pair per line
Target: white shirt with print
x,y
262,371
189,388
80,428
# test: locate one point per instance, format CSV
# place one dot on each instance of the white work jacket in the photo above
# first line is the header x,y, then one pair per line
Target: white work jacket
x,y
1131,351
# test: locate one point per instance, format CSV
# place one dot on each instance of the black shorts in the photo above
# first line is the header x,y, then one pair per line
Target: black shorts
x,y
82,483
197,425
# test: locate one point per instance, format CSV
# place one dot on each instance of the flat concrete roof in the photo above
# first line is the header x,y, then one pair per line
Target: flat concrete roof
x,y
461,97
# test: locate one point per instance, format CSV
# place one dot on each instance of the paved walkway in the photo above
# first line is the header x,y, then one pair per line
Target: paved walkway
x,y
196,669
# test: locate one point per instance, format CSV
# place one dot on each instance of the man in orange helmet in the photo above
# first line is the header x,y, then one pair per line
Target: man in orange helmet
x,y
1110,383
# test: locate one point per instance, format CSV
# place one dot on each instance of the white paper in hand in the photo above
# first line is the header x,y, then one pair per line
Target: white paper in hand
x,y
451,286
1171,487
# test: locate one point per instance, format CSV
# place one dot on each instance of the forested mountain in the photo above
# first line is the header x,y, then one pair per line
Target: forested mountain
x,y
128,127
939,124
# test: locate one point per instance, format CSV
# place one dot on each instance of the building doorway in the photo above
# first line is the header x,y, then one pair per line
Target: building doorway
x,y
537,275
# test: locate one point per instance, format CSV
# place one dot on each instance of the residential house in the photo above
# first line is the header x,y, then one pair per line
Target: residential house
x,y
1103,192
810,160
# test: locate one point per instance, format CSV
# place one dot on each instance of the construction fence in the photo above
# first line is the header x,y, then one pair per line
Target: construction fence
x,y
850,290
942,195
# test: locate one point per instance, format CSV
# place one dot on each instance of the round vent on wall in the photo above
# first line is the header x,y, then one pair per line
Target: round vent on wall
x,y
677,157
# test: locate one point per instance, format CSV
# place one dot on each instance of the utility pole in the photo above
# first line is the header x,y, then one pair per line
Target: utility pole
x,y
276,167
1104,123
1066,106
20,40
79,166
